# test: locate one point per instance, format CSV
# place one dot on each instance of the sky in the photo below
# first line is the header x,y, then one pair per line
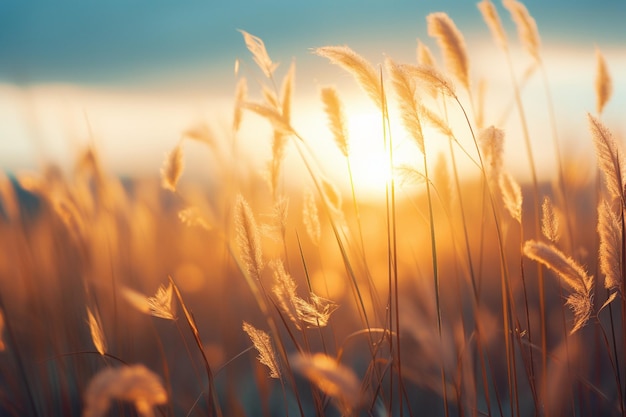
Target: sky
x,y
140,72
144,44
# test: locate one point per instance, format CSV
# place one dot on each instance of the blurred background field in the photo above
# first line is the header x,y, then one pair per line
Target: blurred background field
x,y
93,98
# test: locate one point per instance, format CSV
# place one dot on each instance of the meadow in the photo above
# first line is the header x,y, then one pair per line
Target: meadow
x,y
455,288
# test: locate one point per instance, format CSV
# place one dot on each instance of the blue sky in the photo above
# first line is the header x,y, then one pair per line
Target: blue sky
x,y
162,43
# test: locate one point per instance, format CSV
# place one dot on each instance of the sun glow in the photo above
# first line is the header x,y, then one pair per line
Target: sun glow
x,y
369,152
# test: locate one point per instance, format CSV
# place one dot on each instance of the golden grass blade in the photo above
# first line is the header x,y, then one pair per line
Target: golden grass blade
x,y
603,82
214,405
336,118
572,274
257,48
359,67
609,157
511,195
310,218
526,27
248,238
549,221
610,233
404,87
332,378
135,384
172,168
241,94
452,45
492,19
97,334
263,344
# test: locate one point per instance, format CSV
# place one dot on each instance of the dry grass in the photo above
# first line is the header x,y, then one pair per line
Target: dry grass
x,y
430,301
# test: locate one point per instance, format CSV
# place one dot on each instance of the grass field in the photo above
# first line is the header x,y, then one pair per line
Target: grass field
x,y
450,287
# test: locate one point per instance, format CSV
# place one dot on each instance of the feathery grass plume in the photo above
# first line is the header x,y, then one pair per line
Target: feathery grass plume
x,y
278,220
257,48
491,141
604,85
263,344
572,273
549,221
452,45
284,290
135,384
270,97
359,67
241,94
97,335
610,232
287,91
430,77
192,217
279,142
511,195
310,218
201,132
160,305
435,121
408,173
609,157
332,378
425,57
314,314
336,118
248,238
404,86
492,19
2,345
526,27
172,168
272,115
